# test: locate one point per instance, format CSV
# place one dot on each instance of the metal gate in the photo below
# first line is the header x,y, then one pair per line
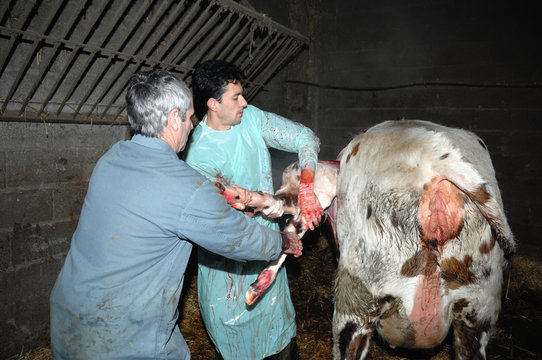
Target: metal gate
x,y
69,61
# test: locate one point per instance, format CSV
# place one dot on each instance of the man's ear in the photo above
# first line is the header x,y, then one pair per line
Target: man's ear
x,y
172,118
212,104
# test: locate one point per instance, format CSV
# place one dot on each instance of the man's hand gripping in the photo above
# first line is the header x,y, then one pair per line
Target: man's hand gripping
x,y
311,210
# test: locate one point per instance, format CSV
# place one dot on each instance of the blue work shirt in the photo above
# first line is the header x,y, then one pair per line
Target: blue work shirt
x,y
117,293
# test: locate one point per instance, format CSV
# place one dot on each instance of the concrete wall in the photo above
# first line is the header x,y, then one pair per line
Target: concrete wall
x,y
44,172
480,52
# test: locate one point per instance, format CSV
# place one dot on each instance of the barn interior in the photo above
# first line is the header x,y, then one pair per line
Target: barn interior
x,y
338,67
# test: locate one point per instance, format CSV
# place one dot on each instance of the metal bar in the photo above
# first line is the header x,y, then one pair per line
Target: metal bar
x,y
136,48
92,57
105,52
10,48
62,119
227,36
150,26
237,48
73,55
147,59
215,33
172,17
51,15
263,56
117,115
117,94
142,11
197,37
46,66
279,55
240,35
260,51
187,35
266,21
174,39
4,9
264,76
266,41
259,78
76,82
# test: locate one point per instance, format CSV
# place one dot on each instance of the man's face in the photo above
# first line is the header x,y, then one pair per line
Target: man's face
x,y
186,126
230,110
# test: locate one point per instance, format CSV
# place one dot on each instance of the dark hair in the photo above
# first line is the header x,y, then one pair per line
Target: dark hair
x,y
210,80
150,96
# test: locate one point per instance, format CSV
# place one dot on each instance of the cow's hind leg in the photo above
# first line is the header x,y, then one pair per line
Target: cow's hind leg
x,y
352,329
354,341
470,337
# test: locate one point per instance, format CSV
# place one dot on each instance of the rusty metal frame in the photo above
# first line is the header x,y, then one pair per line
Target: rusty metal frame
x,y
69,61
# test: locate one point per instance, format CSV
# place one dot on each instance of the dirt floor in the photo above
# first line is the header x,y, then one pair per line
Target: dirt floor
x,y
518,334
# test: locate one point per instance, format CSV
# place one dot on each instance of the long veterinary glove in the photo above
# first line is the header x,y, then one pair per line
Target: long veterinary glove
x,y
311,210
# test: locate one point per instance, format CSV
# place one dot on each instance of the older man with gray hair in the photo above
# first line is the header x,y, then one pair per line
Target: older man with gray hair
x,y
117,293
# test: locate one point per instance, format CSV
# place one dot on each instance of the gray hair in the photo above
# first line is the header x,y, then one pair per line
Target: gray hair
x,y
150,96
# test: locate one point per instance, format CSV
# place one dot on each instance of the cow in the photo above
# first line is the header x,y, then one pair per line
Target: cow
x,y
423,238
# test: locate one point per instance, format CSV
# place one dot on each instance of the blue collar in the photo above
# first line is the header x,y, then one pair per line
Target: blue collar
x,y
153,143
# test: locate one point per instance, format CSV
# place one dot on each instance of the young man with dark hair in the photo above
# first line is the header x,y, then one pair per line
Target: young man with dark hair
x,y
231,143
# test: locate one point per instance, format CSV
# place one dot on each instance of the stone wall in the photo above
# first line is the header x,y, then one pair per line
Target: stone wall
x,y
44,172
473,65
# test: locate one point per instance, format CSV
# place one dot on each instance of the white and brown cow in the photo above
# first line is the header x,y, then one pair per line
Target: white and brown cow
x,y
423,240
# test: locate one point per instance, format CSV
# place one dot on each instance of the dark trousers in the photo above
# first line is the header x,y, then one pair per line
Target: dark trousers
x,y
290,352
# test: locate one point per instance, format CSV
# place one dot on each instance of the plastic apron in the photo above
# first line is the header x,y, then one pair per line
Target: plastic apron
x,y
240,156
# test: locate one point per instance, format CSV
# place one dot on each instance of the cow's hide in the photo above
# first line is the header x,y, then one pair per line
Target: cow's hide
x,y
423,239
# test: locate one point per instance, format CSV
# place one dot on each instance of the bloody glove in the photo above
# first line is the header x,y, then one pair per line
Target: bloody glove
x,y
236,196
242,200
311,210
